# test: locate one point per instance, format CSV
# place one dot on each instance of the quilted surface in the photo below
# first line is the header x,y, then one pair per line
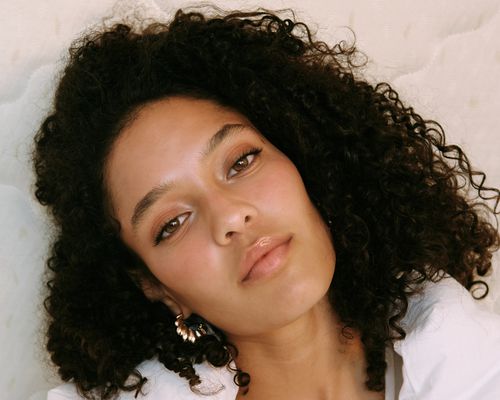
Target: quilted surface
x,y
443,57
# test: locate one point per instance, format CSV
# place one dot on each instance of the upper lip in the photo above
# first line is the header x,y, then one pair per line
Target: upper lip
x,y
259,249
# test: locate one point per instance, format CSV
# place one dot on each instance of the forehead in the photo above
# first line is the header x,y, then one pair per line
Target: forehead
x,y
177,117
177,123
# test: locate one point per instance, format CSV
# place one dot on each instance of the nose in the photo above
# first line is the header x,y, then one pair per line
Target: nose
x,y
230,217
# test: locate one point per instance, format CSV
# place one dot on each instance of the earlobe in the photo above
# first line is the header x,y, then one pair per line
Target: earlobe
x,y
175,306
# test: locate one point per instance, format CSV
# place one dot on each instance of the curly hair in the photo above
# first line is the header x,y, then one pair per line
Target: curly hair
x,y
397,195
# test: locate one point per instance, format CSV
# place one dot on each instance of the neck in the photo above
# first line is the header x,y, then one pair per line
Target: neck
x,y
308,358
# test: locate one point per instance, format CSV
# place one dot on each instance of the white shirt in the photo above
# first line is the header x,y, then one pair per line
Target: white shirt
x,y
452,347
451,351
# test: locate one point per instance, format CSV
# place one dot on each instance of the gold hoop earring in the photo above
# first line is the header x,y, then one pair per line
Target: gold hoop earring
x,y
186,332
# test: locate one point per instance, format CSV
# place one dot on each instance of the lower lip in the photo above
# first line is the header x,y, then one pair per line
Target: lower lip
x,y
269,263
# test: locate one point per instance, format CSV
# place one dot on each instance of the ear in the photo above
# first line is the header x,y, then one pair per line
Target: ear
x,y
157,291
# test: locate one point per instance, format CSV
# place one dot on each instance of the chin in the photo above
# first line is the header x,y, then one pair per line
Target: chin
x,y
301,297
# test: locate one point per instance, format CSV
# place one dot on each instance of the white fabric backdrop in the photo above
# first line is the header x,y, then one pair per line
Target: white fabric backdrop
x,y
443,57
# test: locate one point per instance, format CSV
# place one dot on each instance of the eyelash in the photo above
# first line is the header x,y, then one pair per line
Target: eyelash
x,y
159,236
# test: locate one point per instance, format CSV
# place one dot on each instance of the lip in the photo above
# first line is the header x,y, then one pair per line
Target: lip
x,y
264,256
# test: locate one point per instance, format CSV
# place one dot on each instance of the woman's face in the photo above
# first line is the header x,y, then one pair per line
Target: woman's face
x,y
219,215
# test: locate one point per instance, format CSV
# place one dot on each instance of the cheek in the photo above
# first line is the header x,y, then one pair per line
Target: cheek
x,y
189,270
176,273
280,188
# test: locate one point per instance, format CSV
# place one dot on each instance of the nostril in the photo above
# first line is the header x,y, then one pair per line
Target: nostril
x,y
229,234
247,218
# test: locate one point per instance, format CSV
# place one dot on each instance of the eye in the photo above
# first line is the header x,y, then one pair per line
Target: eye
x,y
243,161
169,228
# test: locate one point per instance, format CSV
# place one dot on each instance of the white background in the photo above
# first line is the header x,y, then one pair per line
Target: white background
x,y
442,56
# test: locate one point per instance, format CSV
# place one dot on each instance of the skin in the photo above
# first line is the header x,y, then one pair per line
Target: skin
x,y
224,202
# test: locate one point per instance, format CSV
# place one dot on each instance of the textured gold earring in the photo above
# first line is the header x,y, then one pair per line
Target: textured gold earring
x,y
187,333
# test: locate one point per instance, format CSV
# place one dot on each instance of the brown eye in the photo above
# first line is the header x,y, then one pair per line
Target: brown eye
x,y
170,228
243,162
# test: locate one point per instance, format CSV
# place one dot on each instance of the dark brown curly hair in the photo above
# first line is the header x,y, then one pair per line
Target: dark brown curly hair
x,y
398,197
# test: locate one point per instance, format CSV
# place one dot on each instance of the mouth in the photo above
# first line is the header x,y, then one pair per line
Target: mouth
x,y
265,257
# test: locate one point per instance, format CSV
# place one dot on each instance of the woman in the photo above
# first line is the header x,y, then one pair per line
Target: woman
x,y
241,215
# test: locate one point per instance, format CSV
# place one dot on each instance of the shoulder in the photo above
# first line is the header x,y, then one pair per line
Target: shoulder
x,y
217,384
452,345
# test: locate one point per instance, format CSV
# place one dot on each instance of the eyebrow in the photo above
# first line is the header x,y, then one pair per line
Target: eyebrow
x,y
141,208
